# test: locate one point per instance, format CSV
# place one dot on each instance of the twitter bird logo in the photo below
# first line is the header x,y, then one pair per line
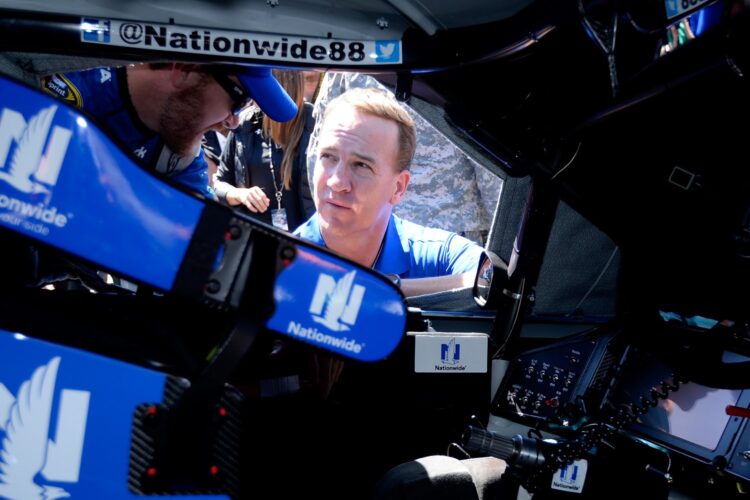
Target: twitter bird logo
x,y
388,51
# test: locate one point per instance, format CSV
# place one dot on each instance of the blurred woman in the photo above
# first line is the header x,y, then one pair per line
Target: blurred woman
x,y
263,164
313,80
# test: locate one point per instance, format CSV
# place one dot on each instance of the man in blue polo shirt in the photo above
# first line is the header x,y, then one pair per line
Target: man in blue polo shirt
x,y
161,111
366,145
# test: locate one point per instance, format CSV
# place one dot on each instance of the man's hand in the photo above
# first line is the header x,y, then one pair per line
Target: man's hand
x,y
253,198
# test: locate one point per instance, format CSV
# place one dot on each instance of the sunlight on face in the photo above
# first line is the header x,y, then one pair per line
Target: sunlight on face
x,y
356,178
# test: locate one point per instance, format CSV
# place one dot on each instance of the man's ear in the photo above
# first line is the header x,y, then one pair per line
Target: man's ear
x,y
182,75
401,183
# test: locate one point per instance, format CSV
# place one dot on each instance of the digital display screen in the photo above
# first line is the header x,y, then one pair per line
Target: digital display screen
x,y
694,413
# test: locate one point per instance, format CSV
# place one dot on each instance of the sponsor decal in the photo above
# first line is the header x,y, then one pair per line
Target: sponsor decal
x,y
95,30
30,459
318,337
388,51
105,75
462,353
62,88
336,304
33,169
677,8
64,182
66,419
450,353
326,301
571,477
174,38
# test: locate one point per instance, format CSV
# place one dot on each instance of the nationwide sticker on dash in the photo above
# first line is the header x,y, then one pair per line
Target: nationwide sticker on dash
x,y
174,38
455,353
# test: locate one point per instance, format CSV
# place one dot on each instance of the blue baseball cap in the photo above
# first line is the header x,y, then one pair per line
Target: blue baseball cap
x,y
267,92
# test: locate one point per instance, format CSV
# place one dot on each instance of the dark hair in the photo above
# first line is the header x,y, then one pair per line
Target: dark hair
x,y
288,134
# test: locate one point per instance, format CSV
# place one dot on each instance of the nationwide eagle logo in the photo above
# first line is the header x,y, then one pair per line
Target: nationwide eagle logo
x,y
27,455
450,353
30,167
336,304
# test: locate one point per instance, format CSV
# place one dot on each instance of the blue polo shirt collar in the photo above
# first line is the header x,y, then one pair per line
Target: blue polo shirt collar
x,y
394,258
395,255
310,231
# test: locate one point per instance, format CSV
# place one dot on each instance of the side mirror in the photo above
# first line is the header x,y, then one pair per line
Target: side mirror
x,y
492,276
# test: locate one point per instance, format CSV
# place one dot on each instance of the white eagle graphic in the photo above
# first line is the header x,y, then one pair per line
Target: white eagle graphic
x,y
336,302
28,155
24,448
450,354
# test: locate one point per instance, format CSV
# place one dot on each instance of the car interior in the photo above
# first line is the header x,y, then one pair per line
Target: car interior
x,y
611,305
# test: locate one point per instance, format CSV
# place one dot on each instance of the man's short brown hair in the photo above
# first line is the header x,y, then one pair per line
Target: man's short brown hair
x,y
381,104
